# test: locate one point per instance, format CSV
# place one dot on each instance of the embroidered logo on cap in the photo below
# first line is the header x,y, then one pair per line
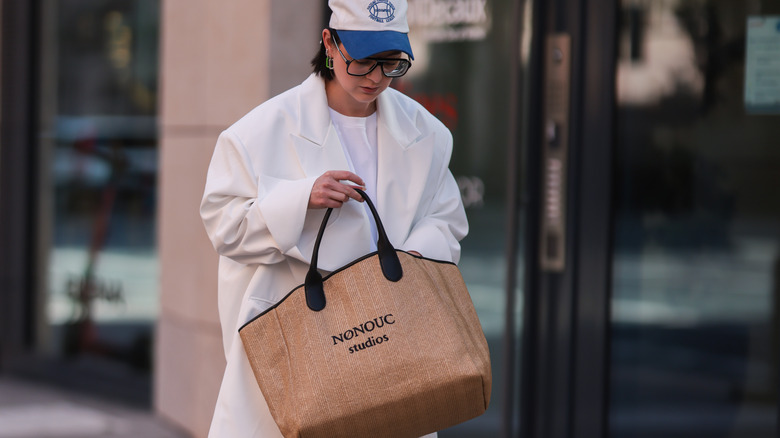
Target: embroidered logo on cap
x,y
382,11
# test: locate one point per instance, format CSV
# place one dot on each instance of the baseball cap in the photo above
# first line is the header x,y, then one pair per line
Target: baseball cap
x,y
368,27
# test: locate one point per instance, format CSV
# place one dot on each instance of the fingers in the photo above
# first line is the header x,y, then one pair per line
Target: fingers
x,y
345,175
330,195
333,188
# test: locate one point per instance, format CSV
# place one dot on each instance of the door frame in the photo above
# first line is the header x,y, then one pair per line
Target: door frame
x,y
566,325
18,171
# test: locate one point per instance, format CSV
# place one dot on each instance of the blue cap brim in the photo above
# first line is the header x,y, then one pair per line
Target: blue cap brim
x,y
364,43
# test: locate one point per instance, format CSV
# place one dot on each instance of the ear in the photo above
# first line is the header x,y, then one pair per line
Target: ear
x,y
327,39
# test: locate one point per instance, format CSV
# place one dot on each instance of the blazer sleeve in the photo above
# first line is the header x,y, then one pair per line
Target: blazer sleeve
x,y
250,218
443,224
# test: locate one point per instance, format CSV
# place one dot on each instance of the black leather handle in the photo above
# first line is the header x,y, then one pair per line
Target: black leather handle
x,y
388,259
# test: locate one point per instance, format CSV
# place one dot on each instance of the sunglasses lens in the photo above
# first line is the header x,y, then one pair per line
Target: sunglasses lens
x,y
395,68
360,67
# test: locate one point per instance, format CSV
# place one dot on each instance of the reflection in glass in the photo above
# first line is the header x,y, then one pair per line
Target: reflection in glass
x,y
98,142
462,74
696,269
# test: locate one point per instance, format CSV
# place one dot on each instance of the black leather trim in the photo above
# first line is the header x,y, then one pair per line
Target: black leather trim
x,y
324,279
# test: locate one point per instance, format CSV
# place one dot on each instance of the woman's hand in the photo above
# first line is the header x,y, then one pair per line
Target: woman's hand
x,y
330,192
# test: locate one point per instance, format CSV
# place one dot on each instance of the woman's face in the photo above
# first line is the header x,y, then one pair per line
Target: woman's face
x,y
354,95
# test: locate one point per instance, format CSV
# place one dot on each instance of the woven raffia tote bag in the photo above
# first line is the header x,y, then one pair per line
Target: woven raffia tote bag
x,y
386,346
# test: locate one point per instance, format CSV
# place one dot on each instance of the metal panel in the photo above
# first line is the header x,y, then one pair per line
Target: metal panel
x,y
557,88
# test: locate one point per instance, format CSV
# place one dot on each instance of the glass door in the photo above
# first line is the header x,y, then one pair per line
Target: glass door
x,y
98,170
466,72
696,254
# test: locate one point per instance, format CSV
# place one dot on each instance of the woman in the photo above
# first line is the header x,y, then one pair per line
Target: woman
x,y
275,171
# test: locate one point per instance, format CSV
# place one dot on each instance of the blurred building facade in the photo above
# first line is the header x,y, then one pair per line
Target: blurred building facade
x,y
618,161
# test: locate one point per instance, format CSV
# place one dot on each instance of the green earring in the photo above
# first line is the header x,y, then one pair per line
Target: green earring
x,y
329,63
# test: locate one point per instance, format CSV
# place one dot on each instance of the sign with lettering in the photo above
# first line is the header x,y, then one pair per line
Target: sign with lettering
x,y
449,20
762,65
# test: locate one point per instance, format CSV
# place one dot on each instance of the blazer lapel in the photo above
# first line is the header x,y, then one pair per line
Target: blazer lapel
x,y
319,150
316,142
401,182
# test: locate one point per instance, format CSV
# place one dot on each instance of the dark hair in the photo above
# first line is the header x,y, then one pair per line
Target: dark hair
x,y
318,62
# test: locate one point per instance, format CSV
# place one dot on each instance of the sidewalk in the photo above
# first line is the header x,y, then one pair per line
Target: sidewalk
x,y
32,410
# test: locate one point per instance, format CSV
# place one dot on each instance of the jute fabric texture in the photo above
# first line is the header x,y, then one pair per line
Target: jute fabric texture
x,y
382,358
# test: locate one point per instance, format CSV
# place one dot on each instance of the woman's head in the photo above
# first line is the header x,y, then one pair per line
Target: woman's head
x,y
357,83
365,29
364,48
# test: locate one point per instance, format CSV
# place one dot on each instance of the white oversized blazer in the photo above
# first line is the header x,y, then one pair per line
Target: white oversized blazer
x,y
255,212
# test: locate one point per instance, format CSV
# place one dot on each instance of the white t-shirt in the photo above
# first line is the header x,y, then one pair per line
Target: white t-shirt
x,y
358,136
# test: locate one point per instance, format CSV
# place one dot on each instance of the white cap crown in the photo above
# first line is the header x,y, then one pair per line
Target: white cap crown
x,y
369,15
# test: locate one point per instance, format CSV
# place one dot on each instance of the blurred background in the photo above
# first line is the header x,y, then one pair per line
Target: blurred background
x,y
619,161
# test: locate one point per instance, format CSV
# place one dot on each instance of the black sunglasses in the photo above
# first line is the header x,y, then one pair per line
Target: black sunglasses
x,y
391,67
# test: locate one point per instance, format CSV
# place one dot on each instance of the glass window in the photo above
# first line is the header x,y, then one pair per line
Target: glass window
x,y
97,105
462,74
697,243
